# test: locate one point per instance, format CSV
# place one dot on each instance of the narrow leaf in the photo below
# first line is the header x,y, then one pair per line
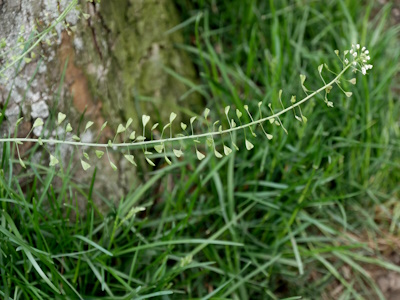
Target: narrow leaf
x,y
19,121
154,126
86,155
192,119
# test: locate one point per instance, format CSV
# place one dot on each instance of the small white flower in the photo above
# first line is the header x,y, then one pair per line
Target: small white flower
x,y
363,49
363,70
351,51
364,60
368,58
355,54
346,61
367,52
358,46
354,63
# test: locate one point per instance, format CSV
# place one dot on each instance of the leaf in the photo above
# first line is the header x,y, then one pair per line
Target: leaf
x,y
178,153
128,123
132,135
130,158
86,155
88,124
159,148
60,118
103,126
320,68
120,128
249,145
140,138
206,113
150,162
269,136
114,167
227,108
200,156
145,120
167,160
68,128
19,121
38,122
227,150
183,126
148,153
172,117
85,165
233,123
238,113
272,120
99,153
192,119
154,126
22,163
76,138
53,161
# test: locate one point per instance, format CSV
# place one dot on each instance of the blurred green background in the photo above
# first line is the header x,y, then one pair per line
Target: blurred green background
x,y
312,213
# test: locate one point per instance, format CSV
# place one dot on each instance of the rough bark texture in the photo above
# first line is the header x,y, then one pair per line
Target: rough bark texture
x,y
114,68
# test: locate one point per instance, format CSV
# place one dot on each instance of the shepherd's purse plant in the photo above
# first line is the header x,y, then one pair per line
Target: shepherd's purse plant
x,y
356,59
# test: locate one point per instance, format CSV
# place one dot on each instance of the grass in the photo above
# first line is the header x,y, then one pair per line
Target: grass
x,y
282,220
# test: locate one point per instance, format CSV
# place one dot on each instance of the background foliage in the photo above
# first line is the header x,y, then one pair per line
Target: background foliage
x,y
284,219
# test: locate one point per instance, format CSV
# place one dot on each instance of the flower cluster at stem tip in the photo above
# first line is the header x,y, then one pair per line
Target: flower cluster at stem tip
x,y
360,58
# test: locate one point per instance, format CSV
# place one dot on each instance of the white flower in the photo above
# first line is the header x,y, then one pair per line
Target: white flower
x,y
363,70
367,52
346,61
363,49
351,51
358,46
355,54
368,58
354,63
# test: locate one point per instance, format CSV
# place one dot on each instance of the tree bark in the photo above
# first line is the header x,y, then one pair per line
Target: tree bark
x,y
111,66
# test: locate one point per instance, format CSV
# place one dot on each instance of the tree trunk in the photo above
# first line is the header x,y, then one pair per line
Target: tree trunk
x,y
111,57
